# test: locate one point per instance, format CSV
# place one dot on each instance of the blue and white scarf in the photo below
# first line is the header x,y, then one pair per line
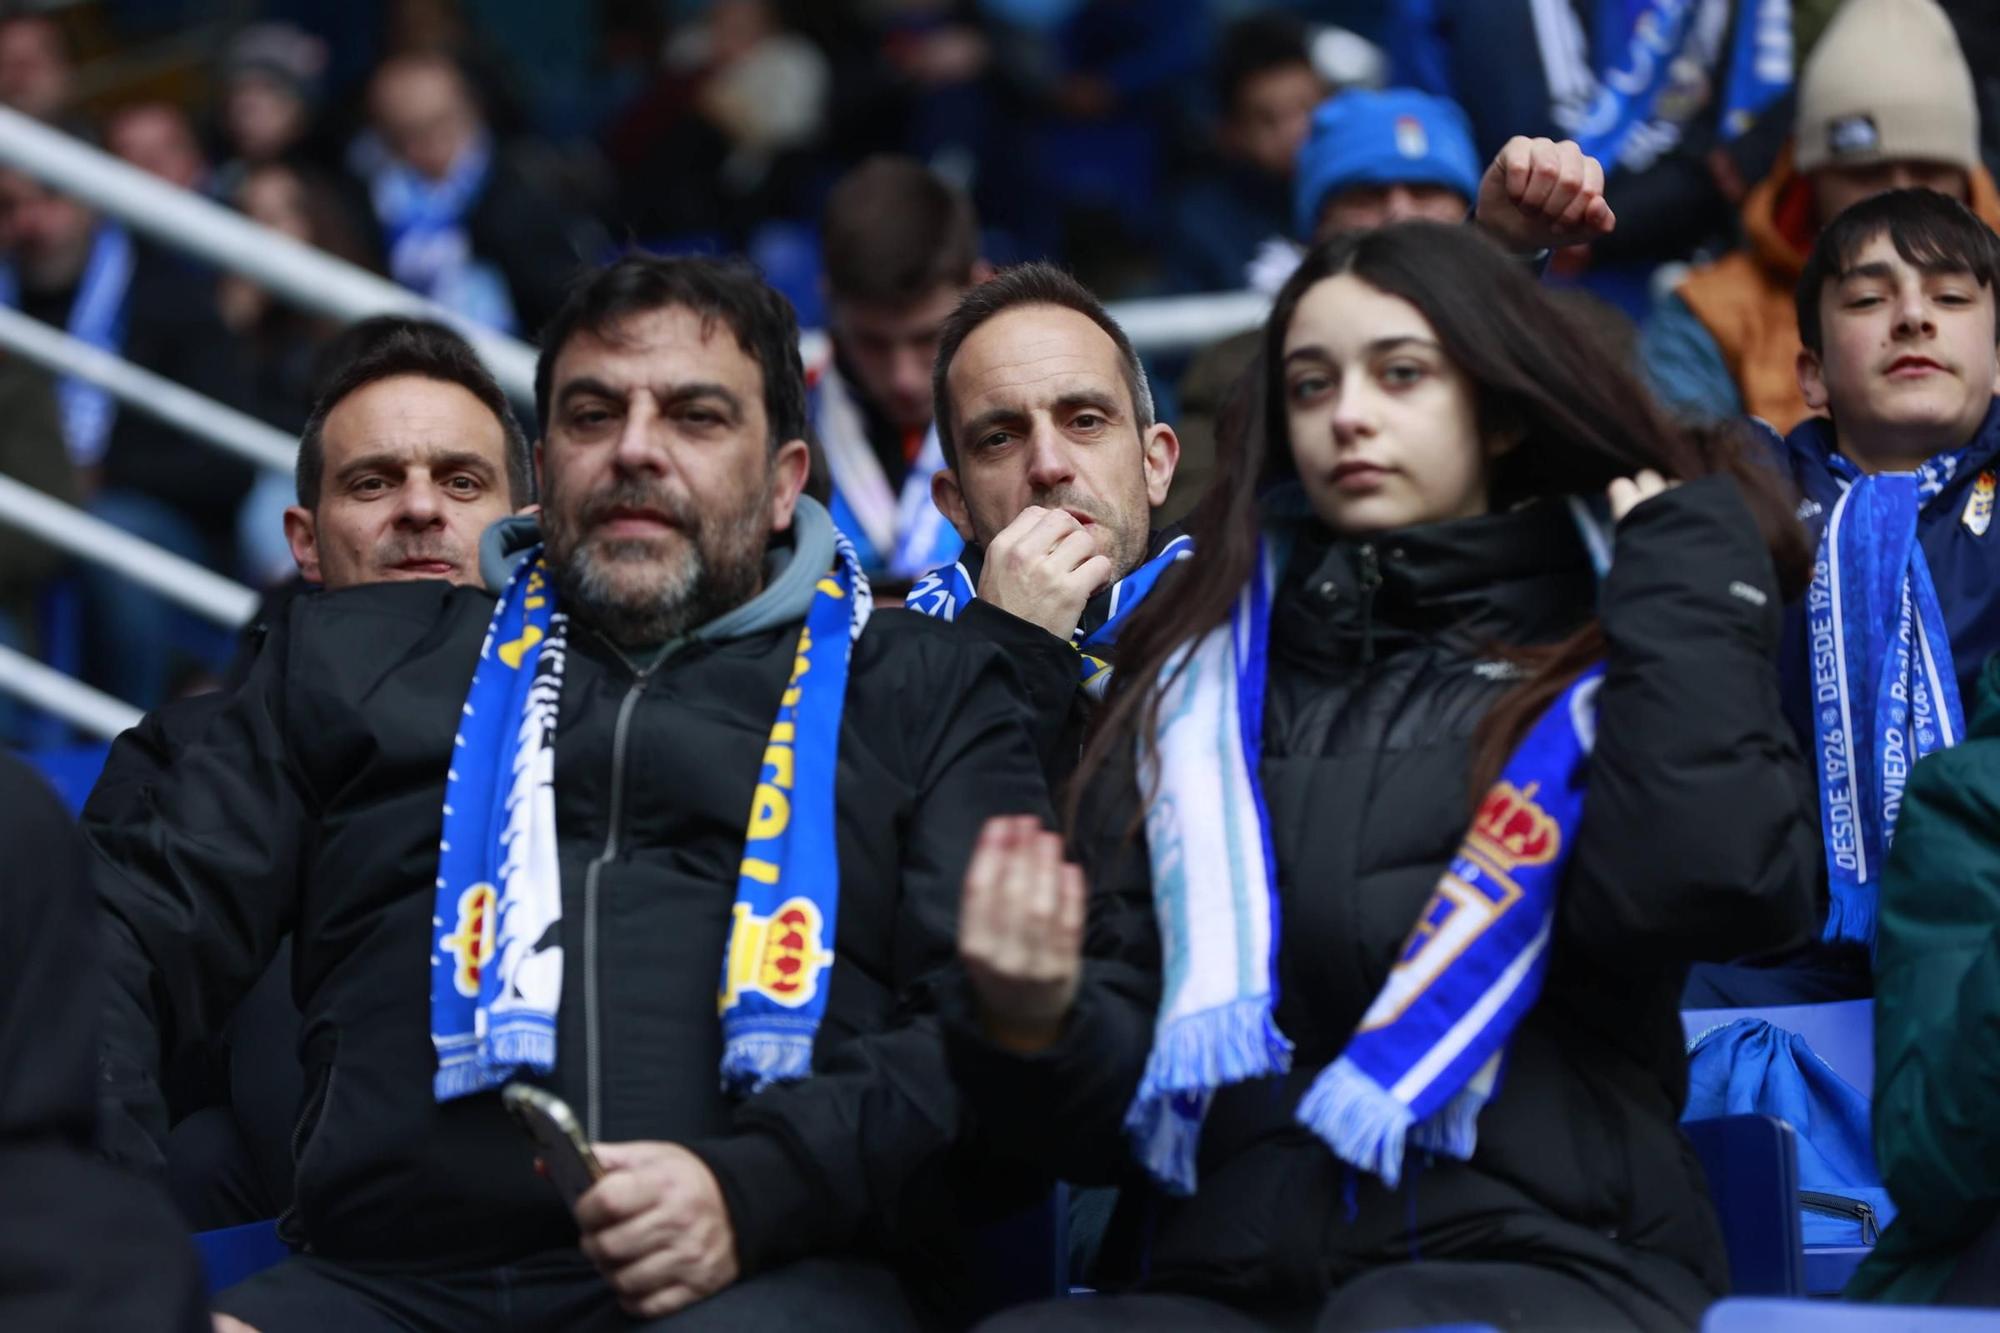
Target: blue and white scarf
x,y
944,592
96,317
425,233
1627,95
1428,1054
496,947
900,533
1884,690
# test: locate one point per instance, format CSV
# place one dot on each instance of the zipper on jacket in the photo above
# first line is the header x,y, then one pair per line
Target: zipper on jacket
x,y
1370,578
593,1105
302,1130
1837,1205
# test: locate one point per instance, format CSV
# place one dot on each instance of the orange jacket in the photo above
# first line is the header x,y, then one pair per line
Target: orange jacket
x,y
1745,298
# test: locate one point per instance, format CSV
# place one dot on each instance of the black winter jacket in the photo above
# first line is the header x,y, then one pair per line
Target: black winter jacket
x,y
83,1245
1696,842
311,803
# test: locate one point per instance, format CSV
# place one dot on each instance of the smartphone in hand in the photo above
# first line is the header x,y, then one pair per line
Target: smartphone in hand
x,y
558,1138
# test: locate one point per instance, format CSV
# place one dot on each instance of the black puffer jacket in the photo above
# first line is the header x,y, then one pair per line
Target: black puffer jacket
x,y
311,802
1696,842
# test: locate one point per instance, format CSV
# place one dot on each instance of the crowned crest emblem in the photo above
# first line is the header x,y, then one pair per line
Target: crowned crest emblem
x,y
1511,830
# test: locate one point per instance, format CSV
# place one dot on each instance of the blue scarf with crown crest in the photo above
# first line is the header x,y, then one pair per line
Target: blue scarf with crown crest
x,y
496,945
1429,1053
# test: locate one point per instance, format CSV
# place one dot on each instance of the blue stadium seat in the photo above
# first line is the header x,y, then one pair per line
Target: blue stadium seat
x,y
1738,1316
1752,1163
71,769
1023,1257
232,1254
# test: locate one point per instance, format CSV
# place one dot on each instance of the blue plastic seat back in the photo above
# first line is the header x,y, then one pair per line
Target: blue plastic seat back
x,y
1023,1257
1752,1163
231,1254
1760,1316
71,770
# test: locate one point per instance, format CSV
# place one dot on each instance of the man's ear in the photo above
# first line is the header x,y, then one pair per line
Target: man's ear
x,y
1812,380
789,467
541,468
302,535
1162,456
950,501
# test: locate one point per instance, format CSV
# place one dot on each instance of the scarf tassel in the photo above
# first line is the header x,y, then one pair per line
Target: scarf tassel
x,y
755,1061
1356,1117
1192,1056
1850,914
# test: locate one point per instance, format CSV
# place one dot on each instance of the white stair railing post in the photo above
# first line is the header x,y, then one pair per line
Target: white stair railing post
x,y
85,535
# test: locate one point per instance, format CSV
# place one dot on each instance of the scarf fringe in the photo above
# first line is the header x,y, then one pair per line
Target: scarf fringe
x,y
755,1061
1453,1129
1850,914
1195,1054
1357,1118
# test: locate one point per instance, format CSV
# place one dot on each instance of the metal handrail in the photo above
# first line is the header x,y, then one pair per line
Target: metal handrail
x,y
63,525
154,395
184,220
1169,324
71,700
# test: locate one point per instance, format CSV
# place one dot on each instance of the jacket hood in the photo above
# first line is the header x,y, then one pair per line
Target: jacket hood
x,y
793,564
1779,225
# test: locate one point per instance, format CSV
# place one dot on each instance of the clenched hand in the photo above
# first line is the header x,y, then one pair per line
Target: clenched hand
x,y
1539,194
1043,567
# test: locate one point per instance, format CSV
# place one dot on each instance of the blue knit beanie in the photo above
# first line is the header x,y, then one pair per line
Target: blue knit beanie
x,y
1397,136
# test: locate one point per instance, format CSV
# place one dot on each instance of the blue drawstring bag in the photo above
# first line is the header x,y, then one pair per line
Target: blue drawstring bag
x,y
1749,1067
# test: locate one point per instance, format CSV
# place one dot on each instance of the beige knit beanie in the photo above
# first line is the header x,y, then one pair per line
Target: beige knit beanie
x,y
1887,82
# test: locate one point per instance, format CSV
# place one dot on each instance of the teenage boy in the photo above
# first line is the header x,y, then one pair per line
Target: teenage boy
x,y
1896,319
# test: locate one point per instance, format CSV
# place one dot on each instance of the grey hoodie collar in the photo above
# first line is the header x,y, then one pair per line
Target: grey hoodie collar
x,y
793,565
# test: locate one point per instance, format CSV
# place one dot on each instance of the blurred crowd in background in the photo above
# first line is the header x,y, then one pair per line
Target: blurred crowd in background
x,y
481,151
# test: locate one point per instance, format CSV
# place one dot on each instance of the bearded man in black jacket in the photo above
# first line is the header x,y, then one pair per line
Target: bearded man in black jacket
x,y
674,702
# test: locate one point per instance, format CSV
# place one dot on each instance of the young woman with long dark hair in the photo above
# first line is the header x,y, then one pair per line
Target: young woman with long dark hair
x,y
1419,788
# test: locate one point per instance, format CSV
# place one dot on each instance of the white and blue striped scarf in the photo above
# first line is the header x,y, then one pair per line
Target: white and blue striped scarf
x,y
1885,692
945,591
496,947
1428,1053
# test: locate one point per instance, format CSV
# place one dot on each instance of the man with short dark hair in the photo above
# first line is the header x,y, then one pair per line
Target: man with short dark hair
x,y
462,221
669,769
410,454
1265,90
1055,464
1901,351
899,248
424,454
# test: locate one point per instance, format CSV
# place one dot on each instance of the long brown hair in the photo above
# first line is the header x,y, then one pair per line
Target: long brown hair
x,y
1582,415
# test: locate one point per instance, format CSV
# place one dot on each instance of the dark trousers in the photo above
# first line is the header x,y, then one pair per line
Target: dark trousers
x,y
557,1293
1506,1296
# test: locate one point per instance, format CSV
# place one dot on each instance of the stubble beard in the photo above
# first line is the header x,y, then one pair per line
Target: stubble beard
x,y
625,590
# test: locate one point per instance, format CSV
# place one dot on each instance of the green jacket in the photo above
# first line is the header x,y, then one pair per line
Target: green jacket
x,y
1937,1016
